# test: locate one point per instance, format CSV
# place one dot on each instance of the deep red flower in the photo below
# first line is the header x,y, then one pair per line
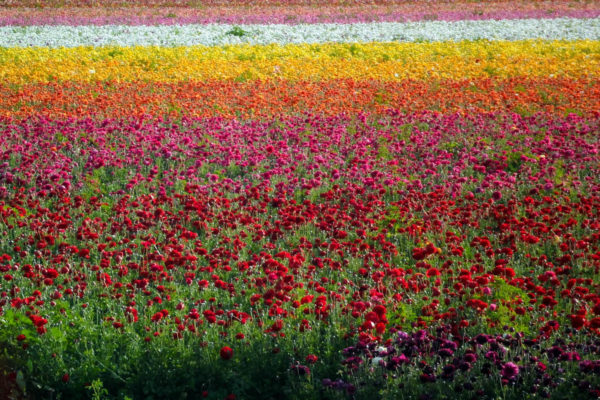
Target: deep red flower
x,y
577,321
226,353
595,323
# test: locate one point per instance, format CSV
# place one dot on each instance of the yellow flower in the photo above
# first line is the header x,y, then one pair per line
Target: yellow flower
x,y
370,61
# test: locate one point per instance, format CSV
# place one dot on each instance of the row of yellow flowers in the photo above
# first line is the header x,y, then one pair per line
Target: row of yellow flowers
x,y
379,61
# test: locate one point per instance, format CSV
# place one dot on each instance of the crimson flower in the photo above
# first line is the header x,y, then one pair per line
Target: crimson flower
x,y
226,353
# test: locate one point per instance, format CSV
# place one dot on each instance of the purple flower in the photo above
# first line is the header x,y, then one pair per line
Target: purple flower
x,y
470,357
481,338
491,355
300,369
510,370
445,352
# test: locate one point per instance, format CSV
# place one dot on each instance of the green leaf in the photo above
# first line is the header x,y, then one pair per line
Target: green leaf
x,y
21,381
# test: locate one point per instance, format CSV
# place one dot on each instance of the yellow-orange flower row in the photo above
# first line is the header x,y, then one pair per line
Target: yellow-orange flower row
x,y
369,61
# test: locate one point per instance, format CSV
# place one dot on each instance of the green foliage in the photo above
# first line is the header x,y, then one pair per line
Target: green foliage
x,y
244,76
237,31
97,390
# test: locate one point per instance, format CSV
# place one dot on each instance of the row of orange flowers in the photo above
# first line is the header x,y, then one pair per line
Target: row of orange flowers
x,y
280,97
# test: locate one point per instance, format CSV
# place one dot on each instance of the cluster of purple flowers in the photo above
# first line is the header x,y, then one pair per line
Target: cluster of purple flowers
x,y
474,364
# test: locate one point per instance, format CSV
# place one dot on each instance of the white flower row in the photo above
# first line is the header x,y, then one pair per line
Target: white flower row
x,y
221,34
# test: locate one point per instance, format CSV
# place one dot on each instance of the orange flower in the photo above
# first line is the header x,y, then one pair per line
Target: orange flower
x,y
279,97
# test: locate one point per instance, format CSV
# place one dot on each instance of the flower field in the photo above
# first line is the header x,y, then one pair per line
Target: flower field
x,y
299,199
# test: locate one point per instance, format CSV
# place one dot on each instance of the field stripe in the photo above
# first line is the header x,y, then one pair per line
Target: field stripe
x,y
226,34
295,14
271,98
373,61
202,4
274,15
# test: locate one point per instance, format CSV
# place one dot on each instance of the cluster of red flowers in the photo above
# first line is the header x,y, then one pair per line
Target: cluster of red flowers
x,y
207,230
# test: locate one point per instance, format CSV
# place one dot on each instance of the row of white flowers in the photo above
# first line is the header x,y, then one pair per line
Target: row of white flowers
x,y
222,34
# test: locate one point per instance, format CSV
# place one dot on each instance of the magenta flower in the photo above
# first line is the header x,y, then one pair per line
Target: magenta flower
x,y
510,370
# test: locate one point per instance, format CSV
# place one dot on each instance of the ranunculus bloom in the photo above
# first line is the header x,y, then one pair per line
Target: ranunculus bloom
x,y
311,359
510,370
595,323
577,321
226,353
301,370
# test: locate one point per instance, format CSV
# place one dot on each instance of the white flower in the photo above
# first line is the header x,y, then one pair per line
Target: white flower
x,y
223,34
376,360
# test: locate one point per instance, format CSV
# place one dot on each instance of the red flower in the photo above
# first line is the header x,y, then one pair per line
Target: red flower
x,y
577,321
226,353
433,272
418,254
311,359
595,323
276,327
65,378
477,304
21,337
